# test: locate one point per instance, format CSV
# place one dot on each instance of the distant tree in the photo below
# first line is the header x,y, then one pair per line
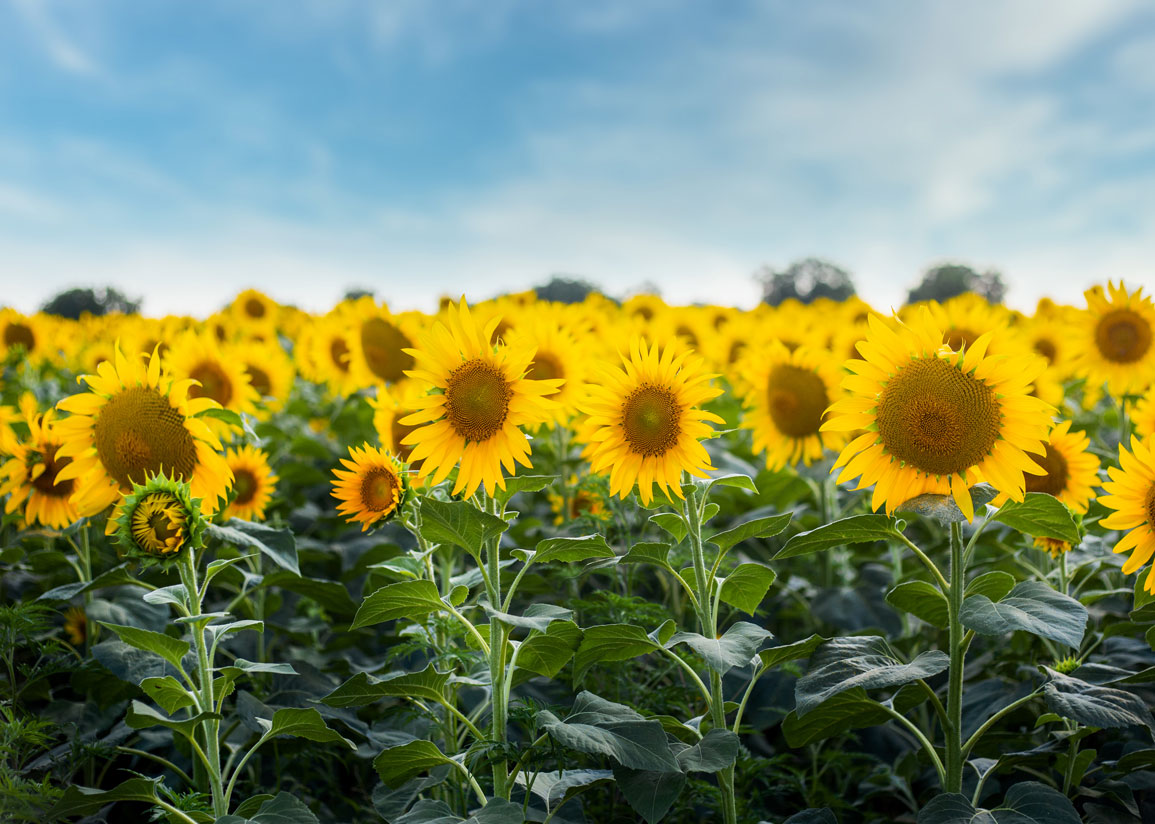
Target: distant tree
x,y
953,279
72,303
565,290
805,280
357,293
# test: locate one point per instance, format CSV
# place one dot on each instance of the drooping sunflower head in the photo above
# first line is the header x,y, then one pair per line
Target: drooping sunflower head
x,y
372,488
1131,494
787,394
158,520
937,420
480,401
1116,340
30,476
253,483
646,422
137,421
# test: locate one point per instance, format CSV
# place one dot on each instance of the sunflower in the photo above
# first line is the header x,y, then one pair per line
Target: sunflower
x,y
936,420
378,342
787,396
1143,415
255,311
373,488
28,334
557,355
31,475
483,400
218,374
158,519
647,422
1070,471
75,625
134,422
1115,341
270,372
253,483
1131,493
389,407
584,500
327,342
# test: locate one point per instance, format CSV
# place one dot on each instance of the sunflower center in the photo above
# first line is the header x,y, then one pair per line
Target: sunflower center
x,y
477,400
382,343
1123,336
960,337
736,349
1151,506
378,490
545,366
157,524
339,354
687,334
1054,480
45,483
796,399
245,483
259,378
214,382
18,334
1047,349
139,434
936,418
254,308
651,419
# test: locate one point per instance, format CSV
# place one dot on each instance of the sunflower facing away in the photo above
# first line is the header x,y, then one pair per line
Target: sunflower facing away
x,y
481,400
645,422
787,394
253,482
937,420
1116,341
1131,493
371,488
135,422
31,475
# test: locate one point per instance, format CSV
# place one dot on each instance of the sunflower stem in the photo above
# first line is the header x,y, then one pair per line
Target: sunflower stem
x,y
952,730
499,688
210,727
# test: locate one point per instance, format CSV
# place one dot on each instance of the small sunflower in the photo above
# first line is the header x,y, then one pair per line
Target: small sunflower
x,y
31,475
255,310
158,519
378,343
1071,470
218,373
373,489
28,334
75,625
481,400
270,371
135,422
584,500
390,406
253,483
787,394
557,355
937,420
646,420
1115,342
1131,493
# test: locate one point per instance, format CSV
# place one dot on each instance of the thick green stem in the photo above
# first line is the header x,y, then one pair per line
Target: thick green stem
x,y
499,689
211,728
953,728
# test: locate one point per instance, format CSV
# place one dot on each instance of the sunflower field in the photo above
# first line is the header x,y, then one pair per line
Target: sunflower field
x,y
519,561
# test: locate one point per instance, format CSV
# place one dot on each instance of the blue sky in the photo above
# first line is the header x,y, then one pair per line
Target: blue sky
x,y
184,151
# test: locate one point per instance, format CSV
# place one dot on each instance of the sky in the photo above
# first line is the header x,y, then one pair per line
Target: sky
x,y
185,151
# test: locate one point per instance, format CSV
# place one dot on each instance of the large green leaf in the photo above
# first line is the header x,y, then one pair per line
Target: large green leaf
x,y
844,711
746,586
1040,515
523,483
362,688
459,523
303,723
168,692
758,528
995,585
1094,705
86,800
278,545
671,522
716,751
1028,802
548,652
774,656
600,727
141,716
736,648
169,648
572,550
857,529
1031,606
396,765
843,664
404,599
428,811
283,808
647,552
610,642
115,577
650,793
333,596
555,786
922,600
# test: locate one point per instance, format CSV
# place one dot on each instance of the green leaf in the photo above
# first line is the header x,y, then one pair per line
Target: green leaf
x,y
169,648
1040,515
857,529
735,480
922,600
283,808
671,522
278,545
332,596
757,528
523,483
115,577
1028,802
396,765
647,552
537,616
303,723
547,653
1031,606
995,585
175,594
221,564
555,787
167,692
404,599
1093,705
814,815
428,811
736,648
572,550
85,800
141,716
459,523
362,688
862,661
610,642
600,727
844,711
128,663
650,793
774,656
717,750
942,508
746,586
